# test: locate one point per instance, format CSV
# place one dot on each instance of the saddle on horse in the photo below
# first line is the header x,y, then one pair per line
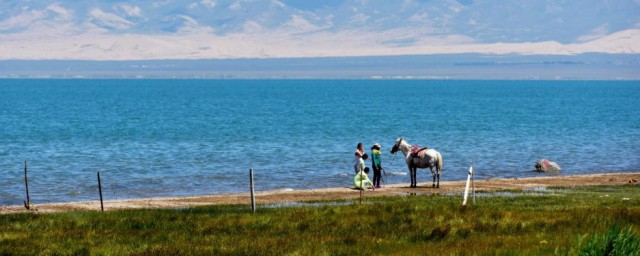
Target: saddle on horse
x,y
416,151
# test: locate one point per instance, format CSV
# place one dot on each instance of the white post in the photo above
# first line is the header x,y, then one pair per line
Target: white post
x,y
466,189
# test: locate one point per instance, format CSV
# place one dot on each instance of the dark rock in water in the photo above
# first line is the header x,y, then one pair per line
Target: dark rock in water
x,y
544,165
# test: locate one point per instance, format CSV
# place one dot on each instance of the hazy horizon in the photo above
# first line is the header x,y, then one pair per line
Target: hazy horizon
x,y
445,66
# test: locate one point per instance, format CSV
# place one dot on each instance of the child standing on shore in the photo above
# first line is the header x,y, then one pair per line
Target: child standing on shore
x,y
376,164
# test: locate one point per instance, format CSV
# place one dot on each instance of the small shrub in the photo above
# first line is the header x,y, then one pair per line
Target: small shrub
x,y
436,234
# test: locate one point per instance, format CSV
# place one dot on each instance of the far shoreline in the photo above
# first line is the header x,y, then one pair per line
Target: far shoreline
x,y
328,194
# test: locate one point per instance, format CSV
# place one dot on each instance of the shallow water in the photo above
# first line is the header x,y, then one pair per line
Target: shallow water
x,y
151,138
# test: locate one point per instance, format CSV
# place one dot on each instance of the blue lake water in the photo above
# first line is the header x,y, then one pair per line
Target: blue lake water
x,y
154,138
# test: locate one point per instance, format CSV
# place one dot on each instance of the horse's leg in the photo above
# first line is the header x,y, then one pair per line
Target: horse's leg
x,y
414,179
414,174
411,175
438,186
434,177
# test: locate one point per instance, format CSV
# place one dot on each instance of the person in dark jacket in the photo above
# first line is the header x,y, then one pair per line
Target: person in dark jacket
x,y
376,164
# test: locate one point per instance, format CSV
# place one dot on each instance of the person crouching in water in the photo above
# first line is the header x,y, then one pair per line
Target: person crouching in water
x,y
361,180
376,165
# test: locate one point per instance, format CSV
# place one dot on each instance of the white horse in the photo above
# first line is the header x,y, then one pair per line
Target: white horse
x,y
430,159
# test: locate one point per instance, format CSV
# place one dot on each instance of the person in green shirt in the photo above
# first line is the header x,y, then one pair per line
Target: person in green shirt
x,y
376,165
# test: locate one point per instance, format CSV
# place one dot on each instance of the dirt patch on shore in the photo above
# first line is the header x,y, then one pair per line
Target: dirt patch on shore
x,y
291,196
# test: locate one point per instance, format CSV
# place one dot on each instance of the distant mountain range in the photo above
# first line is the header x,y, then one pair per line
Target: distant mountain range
x,y
230,29
590,66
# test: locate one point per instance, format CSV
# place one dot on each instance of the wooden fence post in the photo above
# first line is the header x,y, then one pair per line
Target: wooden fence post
x,y
361,186
100,190
253,199
27,204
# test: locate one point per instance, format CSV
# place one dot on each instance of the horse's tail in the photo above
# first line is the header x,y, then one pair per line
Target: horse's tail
x,y
440,161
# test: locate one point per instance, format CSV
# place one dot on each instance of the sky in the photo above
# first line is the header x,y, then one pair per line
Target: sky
x,y
223,29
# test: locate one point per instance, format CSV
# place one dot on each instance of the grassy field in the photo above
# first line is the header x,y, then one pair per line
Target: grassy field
x,y
554,221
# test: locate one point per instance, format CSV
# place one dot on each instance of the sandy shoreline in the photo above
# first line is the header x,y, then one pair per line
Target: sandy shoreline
x,y
291,196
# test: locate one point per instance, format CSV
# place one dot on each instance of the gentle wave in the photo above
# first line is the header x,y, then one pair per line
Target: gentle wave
x,y
397,173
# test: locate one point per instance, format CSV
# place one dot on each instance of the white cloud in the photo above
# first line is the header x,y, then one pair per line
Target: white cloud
x,y
277,3
109,19
22,20
188,20
552,7
420,17
359,19
100,46
235,6
63,14
208,3
158,4
53,33
328,21
299,24
447,40
132,11
193,26
407,4
251,27
53,20
595,33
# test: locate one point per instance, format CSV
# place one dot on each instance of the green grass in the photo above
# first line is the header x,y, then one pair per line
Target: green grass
x,y
567,222
616,241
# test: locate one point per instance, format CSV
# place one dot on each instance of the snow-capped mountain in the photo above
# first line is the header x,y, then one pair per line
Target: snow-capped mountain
x,y
206,29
